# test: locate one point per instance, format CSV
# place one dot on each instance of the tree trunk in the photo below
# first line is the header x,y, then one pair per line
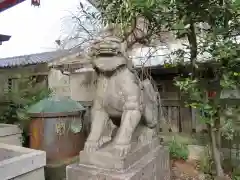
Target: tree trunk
x,y
192,39
216,153
217,132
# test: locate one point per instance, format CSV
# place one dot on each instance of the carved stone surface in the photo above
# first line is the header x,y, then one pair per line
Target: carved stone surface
x,y
148,164
106,157
120,97
123,142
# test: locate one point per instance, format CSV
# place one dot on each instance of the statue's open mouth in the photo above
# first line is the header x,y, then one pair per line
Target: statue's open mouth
x,y
106,52
106,49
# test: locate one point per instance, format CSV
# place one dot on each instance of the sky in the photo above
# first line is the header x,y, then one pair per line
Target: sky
x,y
35,29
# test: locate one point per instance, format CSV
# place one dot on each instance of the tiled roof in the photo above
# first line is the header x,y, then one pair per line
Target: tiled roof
x,y
38,58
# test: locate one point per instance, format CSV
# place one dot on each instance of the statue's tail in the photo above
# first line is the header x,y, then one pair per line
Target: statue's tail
x,y
153,110
150,101
161,117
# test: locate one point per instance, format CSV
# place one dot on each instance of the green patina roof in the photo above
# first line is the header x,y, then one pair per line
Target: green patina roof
x,y
56,104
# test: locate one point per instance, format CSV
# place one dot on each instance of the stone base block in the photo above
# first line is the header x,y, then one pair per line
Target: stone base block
x,y
105,158
154,165
18,163
37,174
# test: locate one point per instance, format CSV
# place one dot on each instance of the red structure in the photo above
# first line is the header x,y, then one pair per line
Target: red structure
x,y
5,4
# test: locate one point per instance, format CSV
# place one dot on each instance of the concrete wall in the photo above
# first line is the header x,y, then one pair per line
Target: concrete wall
x,y
59,83
78,86
82,86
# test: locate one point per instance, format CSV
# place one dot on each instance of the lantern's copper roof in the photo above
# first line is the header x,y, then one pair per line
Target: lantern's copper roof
x,y
56,104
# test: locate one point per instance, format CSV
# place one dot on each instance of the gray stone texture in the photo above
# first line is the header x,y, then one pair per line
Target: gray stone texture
x,y
105,157
10,134
130,150
121,97
19,163
149,162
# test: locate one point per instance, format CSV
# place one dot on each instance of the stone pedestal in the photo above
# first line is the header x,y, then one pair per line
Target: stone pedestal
x,y
19,163
149,161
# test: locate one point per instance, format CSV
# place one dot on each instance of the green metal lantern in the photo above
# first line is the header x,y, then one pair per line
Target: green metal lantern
x,y
56,127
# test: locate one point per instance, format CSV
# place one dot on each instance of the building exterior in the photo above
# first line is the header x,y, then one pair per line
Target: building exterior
x,y
13,68
66,72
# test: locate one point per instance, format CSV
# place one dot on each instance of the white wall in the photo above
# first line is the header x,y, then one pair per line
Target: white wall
x,y
59,83
82,86
78,86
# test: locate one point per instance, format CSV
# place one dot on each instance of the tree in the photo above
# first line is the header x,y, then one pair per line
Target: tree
x,y
211,28
80,27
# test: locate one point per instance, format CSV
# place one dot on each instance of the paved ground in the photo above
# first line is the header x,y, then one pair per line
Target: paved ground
x,y
182,170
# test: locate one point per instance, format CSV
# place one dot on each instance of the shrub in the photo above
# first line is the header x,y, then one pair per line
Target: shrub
x,y
236,174
14,104
178,150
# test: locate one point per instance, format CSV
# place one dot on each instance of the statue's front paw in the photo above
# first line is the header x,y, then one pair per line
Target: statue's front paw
x,y
122,150
91,146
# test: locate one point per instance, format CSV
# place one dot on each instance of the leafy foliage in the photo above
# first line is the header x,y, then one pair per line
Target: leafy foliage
x,y
14,104
178,150
211,29
236,174
81,27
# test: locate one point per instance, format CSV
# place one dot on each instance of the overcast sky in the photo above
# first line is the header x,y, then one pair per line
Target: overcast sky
x,y
35,29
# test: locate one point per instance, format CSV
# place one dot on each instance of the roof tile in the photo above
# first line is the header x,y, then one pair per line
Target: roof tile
x,y
38,58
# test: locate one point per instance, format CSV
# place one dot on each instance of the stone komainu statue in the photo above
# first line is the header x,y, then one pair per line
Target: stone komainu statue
x,y
120,97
